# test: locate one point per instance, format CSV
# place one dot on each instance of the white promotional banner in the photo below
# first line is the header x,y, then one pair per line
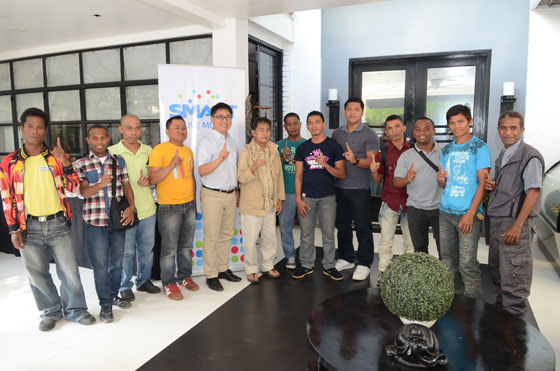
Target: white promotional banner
x,y
191,91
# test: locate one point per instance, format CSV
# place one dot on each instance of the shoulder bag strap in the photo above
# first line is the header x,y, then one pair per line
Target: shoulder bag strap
x,y
428,161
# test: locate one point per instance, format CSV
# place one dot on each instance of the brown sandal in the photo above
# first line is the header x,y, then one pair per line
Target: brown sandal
x,y
253,278
273,273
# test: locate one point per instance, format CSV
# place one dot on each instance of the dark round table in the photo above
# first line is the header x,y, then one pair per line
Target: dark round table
x,y
350,331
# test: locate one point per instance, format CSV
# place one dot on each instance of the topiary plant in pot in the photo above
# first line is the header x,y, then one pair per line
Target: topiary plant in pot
x,y
417,287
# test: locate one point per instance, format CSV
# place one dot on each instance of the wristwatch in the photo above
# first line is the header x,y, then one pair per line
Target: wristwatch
x,y
357,160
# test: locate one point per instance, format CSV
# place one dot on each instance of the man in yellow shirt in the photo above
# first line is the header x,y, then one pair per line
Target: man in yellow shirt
x,y
140,238
171,168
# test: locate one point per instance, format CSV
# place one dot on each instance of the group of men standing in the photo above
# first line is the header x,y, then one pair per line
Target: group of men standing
x,y
322,177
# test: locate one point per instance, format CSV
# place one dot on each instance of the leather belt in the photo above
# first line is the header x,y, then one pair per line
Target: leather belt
x,y
46,217
219,190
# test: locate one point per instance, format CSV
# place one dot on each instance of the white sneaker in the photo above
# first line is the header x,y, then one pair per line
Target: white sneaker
x,y
342,264
291,263
361,273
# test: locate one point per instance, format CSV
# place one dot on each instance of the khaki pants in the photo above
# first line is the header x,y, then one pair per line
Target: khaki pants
x,y
251,226
218,210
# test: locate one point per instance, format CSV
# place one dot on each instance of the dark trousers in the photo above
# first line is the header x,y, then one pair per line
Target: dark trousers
x,y
511,266
419,222
354,205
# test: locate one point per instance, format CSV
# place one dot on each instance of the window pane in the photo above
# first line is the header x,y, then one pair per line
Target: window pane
x,y
25,101
64,105
150,134
103,104
196,51
447,87
70,137
143,101
28,74
7,139
101,66
140,62
5,83
63,70
5,109
383,95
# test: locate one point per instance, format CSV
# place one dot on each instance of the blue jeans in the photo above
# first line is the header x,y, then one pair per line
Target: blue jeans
x,y
286,219
325,208
140,240
459,253
42,241
176,225
354,206
105,249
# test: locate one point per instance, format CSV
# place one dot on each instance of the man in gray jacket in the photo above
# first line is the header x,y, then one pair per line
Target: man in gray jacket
x,y
514,203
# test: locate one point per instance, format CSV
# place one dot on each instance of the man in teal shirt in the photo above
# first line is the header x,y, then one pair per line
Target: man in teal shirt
x,y
141,237
287,148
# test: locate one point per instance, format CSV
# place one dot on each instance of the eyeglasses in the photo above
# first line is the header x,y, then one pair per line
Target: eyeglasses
x,y
228,118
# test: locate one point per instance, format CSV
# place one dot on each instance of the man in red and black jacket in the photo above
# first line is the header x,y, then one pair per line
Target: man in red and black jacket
x,y
33,184
393,199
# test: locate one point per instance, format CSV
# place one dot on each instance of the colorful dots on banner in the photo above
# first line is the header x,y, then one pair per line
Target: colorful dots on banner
x,y
190,100
194,91
213,96
234,259
235,231
234,241
207,91
241,240
199,96
198,216
198,235
242,258
198,244
198,225
199,253
234,249
180,95
199,263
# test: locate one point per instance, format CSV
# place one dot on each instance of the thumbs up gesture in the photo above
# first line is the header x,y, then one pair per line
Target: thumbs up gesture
x,y
411,173
142,180
224,153
286,152
489,183
349,155
374,166
59,154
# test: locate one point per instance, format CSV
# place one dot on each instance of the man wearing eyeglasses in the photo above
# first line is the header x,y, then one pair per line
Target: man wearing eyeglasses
x,y
217,166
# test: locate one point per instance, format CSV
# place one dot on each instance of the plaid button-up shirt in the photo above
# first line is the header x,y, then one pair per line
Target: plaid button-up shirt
x,y
90,169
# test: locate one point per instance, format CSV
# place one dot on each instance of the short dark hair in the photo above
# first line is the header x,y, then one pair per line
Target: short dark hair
x,y
220,105
458,109
315,113
97,126
354,100
391,118
255,123
169,120
291,114
513,114
35,112
426,118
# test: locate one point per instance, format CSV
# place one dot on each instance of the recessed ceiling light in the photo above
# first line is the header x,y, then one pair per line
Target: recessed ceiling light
x,y
17,29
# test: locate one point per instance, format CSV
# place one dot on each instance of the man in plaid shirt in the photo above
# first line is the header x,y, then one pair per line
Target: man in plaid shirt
x,y
105,247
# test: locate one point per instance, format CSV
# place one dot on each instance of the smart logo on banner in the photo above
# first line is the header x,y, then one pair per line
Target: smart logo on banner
x,y
190,92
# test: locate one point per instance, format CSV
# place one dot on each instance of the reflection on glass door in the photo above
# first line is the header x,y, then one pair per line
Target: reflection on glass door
x,y
383,95
446,87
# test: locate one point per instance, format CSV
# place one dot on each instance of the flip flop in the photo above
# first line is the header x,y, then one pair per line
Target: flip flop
x,y
253,278
273,273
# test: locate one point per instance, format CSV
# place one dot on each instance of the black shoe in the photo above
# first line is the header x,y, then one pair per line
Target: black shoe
x,y
121,303
149,287
87,320
127,295
106,314
301,272
214,284
333,274
47,324
229,276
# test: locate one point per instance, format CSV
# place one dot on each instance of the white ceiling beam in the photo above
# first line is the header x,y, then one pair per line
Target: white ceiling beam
x,y
534,4
189,11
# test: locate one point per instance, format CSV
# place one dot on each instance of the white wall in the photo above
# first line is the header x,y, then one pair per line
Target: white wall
x,y
305,66
542,118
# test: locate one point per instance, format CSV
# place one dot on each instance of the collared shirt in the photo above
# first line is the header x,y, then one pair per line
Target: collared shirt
x,y
423,192
225,175
393,197
143,196
361,140
12,171
90,169
532,175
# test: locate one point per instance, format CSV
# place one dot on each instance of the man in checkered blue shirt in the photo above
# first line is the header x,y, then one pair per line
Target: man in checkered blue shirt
x,y
105,247
514,203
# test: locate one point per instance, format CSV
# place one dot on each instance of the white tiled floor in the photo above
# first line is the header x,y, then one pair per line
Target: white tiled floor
x,y
154,321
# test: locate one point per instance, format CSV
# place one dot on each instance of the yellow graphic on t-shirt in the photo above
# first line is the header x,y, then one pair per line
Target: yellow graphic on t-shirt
x,y
40,195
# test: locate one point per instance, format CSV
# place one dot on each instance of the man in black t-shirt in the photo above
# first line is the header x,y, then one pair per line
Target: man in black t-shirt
x,y
318,161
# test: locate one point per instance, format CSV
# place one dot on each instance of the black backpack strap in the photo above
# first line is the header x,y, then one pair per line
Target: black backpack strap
x,y
428,161
383,156
114,180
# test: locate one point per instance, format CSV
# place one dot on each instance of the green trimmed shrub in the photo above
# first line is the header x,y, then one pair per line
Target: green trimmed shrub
x,y
418,287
